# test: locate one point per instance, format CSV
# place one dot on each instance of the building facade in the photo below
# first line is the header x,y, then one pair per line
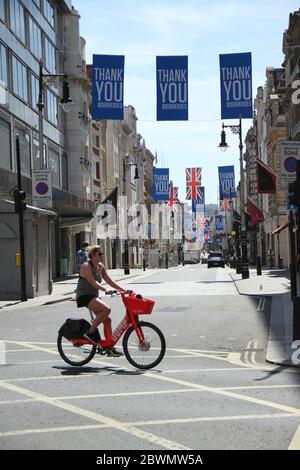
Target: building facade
x,y
34,32
263,142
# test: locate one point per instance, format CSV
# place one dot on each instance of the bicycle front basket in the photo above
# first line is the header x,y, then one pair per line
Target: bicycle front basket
x,y
139,306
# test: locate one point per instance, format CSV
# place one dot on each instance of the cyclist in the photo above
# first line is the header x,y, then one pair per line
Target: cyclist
x,y
89,283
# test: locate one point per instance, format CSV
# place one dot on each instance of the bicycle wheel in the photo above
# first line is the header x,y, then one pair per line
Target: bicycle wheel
x,y
75,355
147,354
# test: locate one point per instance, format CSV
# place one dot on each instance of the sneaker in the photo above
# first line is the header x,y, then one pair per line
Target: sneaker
x,y
92,337
113,352
101,351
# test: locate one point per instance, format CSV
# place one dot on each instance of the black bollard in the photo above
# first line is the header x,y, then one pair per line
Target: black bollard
x,y
258,265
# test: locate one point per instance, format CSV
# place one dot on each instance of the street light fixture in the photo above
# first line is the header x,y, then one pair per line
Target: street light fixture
x,y
237,129
65,100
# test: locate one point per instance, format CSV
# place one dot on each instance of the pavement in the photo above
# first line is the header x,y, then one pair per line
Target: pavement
x,y
274,283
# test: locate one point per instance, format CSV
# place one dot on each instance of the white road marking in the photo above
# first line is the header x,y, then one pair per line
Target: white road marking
x,y
257,401
147,423
295,442
261,304
103,420
130,427
153,392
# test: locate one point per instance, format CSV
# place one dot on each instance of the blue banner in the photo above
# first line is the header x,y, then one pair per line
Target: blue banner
x,y
172,88
236,85
199,202
161,184
226,182
108,87
219,222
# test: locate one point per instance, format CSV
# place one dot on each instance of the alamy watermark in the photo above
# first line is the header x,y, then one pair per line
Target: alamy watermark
x,y
295,357
135,223
296,94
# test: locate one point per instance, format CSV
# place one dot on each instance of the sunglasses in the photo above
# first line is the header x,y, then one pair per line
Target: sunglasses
x,y
99,254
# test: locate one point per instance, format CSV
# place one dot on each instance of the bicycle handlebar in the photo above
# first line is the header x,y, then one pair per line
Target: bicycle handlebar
x,y
117,292
122,293
113,293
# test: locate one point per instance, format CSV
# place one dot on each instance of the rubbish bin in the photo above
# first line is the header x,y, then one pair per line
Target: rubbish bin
x,y
63,266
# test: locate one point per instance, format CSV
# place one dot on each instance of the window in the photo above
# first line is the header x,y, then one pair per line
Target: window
x,y
53,156
52,108
3,65
24,140
5,144
35,39
49,12
97,170
50,63
19,79
36,154
38,3
34,91
2,10
17,21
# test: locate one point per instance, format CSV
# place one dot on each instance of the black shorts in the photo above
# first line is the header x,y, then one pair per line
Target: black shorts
x,y
84,300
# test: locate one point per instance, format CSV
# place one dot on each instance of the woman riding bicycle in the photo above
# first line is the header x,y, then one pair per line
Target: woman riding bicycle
x,y
89,283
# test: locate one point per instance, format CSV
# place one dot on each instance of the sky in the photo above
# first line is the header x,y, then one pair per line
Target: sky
x,y
201,29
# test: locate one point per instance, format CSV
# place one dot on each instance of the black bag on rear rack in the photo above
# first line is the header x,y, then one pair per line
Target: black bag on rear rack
x,y
74,328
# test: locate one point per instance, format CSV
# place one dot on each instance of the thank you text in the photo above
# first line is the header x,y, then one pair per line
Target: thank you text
x,y
172,88
160,184
236,85
108,87
226,182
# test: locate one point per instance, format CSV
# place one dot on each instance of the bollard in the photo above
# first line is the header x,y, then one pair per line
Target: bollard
x,y
296,318
258,265
238,266
280,262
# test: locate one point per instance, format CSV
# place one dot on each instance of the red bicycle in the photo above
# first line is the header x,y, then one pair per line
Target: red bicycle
x,y
143,343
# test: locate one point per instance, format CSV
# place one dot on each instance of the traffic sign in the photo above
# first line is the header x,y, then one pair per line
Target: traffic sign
x,y
289,154
42,189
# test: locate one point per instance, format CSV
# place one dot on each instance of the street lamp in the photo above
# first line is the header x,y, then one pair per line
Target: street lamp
x,y
64,101
126,243
237,129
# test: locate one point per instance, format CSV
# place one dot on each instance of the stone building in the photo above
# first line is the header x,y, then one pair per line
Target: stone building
x,y
46,30
263,141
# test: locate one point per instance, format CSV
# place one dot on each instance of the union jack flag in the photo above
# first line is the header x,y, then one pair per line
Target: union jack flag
x,y
225,205
173,198
193,183
201,222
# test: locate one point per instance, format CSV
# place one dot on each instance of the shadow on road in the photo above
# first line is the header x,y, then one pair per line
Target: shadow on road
x,y
75,371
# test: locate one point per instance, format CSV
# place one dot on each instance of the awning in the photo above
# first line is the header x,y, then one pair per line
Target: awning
x,y
266,178
71,215
39,210
255,212
282,227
